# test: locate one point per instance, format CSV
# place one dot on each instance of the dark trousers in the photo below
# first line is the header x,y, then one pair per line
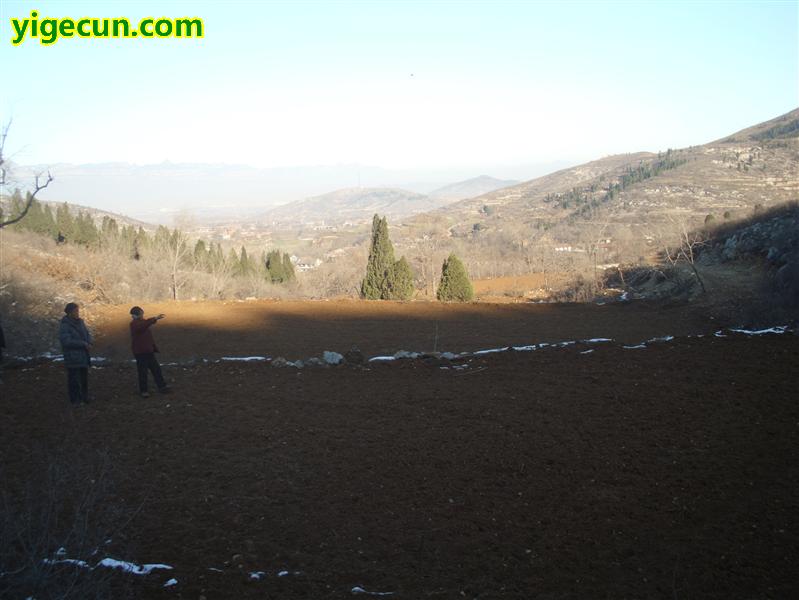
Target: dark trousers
x,y
78,384
148,362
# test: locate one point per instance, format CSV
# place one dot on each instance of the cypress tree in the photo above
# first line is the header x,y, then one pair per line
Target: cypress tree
x,y
455,284
376,284
244,262
49,220
288,268
274,267
233,260
64,221
401,281
200,254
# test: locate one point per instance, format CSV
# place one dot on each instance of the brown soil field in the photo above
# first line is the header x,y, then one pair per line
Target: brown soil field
x,y
518,286
670,471
301,329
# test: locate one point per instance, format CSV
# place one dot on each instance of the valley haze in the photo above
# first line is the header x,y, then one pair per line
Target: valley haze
x,y
155,193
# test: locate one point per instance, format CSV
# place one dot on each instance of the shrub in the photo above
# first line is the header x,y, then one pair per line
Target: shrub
x,y
401,281
455,284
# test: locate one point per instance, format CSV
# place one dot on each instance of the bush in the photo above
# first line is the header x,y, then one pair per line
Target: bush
x,y
455,285
401,281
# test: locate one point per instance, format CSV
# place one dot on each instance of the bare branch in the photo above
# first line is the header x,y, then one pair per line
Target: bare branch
x,y
38,187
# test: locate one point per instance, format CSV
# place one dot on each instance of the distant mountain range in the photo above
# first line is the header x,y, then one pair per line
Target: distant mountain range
x,y
470,188
157,192
356,205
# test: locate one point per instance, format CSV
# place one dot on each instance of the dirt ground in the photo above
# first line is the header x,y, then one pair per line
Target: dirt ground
x,y
669,471
301,329
519,287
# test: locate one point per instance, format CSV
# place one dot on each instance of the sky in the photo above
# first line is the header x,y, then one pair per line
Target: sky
x,y
399,85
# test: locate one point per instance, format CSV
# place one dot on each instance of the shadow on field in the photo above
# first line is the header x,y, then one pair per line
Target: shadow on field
x,y
303,329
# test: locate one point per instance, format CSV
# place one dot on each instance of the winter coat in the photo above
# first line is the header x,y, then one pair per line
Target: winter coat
x,y
75,339
141,338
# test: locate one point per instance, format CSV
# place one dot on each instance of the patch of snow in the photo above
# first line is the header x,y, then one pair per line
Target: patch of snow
x,y
359,590
634,347
215,570
449,355
282,573
381,358
587,351
597,340
778,330
525,348
132,568
257,575
490,351
665,338
406,354
332,358
244,358
171,582
66,561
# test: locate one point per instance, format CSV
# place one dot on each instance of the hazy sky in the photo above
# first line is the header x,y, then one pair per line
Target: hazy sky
x,y
399,85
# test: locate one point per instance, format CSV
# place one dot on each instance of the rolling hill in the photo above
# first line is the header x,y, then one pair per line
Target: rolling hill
x,y
631,195
470,188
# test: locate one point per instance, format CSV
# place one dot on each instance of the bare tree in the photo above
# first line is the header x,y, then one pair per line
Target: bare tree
x,y
40,181
175,248
687,248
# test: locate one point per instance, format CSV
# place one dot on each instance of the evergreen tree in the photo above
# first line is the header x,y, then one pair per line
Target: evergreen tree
x,y
34,221
288,268
200,254
376,284
219,256
234,261
64,221
274,267
85,231
246,265
401,281
17,206
455,284
49,220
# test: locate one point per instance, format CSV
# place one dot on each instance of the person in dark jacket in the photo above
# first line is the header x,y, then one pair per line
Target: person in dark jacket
x,y
144,350
76,343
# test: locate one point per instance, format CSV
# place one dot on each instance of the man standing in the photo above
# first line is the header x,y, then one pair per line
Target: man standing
x,y
76,342
144,350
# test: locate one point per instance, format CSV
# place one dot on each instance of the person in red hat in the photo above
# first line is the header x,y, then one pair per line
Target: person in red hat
x,y
144,350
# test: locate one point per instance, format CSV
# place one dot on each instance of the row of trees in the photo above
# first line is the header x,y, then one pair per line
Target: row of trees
x,y
390,279
169,246
585,200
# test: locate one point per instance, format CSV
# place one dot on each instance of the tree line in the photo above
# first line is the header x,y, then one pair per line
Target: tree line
x,y
584,201
173,245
